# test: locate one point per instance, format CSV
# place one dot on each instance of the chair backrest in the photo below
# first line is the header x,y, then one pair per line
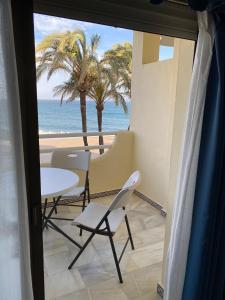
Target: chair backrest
x,y
71,159
127,190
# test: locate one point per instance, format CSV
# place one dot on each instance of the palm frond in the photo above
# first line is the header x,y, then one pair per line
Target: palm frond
x,y
95,40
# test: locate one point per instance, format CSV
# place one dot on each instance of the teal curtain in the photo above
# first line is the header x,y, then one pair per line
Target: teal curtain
x,y
205,273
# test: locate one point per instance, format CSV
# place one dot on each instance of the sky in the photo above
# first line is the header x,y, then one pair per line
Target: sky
x,y
45,25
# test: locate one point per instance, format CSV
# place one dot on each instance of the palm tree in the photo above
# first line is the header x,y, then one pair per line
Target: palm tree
x,y
105,87
120,60
70,53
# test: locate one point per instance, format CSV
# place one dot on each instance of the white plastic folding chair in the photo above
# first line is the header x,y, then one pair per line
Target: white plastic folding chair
x,y
98,219
72,160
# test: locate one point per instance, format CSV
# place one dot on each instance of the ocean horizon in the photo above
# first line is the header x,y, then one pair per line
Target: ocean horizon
x,y
66,118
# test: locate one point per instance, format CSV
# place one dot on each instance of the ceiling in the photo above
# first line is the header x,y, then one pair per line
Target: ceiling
x,y
169,18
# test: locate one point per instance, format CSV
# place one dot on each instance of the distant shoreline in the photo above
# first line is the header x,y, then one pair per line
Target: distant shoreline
x,y
88,100
56,118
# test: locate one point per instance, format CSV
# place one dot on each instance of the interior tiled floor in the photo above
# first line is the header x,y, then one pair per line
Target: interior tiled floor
x,y
94,275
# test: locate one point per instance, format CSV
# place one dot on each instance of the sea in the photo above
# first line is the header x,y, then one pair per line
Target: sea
x,y
66,118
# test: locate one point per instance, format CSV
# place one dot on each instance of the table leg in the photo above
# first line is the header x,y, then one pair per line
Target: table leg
x,y
46,221
46,218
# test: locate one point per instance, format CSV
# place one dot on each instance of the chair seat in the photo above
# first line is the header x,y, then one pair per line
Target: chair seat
x,y
77,191
94,213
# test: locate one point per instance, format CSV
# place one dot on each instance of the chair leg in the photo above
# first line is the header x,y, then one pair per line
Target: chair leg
x,y
57,229
114,252
45,206
87,187
129,232
81,250
88,192
83,207
84,200
55,209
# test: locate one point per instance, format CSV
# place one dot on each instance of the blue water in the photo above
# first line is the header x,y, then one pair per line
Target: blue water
x,y
56,118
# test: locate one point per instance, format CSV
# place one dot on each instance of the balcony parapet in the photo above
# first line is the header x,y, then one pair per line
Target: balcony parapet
x,y
77,135
108,171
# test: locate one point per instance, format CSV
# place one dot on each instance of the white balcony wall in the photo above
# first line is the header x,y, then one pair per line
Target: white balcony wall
x,y
159,106
110,170
159,99
153,98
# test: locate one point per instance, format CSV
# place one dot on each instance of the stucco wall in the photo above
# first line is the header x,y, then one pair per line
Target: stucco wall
x,y
153,98
159,107
110,170
157,88
152,42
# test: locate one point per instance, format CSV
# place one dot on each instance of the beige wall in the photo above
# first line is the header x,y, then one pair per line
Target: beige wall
x,y
110,170
157,88
150,49
151,120
159,105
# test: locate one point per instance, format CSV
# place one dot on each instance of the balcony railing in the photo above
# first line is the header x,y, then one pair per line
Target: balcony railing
x,y
49,149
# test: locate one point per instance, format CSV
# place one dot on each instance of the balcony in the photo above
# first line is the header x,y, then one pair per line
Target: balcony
x,y
94,275
152,145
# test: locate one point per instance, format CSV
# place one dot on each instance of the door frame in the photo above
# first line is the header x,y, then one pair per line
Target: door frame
x,y
171,19
22,19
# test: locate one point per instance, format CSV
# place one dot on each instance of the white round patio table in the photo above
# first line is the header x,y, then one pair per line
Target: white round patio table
x,y
56,182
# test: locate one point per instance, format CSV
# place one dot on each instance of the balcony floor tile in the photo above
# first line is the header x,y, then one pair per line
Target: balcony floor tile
x,y
94,275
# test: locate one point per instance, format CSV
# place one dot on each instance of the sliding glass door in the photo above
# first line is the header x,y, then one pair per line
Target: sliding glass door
x,y
21,256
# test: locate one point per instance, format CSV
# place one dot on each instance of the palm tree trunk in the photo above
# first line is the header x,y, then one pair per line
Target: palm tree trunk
x,y
83,115
99,115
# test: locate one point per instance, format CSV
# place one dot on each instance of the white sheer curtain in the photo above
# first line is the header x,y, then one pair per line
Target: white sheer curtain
x,y
182,216
15,273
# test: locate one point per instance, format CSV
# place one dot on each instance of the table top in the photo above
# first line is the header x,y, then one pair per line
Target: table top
x,y
56,182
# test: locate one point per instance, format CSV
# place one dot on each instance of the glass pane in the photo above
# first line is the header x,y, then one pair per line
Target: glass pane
x,y
14,256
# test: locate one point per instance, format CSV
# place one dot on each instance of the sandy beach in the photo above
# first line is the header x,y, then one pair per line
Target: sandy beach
x,y
72,142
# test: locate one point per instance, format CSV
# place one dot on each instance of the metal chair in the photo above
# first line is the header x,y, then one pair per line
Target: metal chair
x,y
98,219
